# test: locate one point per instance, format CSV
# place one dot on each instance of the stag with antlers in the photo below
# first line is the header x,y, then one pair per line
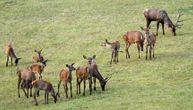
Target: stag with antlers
x,y
162,17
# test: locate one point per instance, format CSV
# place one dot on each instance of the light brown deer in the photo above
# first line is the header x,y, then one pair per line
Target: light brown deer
x,y
9,51
38,68
65,75
132,37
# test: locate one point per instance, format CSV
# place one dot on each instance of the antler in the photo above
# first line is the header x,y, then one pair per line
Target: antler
x,y
108,77
178,19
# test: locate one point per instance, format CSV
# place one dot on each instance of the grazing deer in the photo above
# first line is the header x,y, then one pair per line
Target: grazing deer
x,y
65,75
92,71
25,77
133,37
162,17
39,57
115,46
47,87
150,40
10,53
38,68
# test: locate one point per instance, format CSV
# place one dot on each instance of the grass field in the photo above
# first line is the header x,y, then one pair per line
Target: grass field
x,y
67,29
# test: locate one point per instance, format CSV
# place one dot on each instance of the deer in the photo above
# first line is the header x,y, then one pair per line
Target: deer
x,y
92,72
38,68
114,46
132,37
65,75
9,51
39,57
161,16
150,40
47,87
25,77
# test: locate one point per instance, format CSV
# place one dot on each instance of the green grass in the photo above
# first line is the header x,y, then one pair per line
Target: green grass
x,y
67,29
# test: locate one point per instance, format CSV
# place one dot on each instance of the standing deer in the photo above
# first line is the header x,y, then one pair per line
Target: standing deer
x,y
115,46
133,37
94,73
10,53
162,17
47,87
65,75
25,77
150,40
38,68
39,57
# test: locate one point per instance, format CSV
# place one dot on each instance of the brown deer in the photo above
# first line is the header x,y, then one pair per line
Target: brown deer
x,y
133,37
38,68
25,77
162,17
39,57
150,40
47,87
65,75
92,70
115,46
9,51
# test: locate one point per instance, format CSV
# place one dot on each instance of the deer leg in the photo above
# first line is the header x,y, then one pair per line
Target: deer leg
x,y
111,57
163,28
126,50
66,89
84,87
146,52
90,85
18,86
59,88
70,89
150,50
27,86
11,61
30,90
138,47
80,86
117,56
23,88
77,85
148,23
35,93
7,61
47,96
157,28
94,79
153,50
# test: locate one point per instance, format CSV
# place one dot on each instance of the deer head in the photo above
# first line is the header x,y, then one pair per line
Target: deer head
x,y
71,67
89,59
103,83
17,61
38,52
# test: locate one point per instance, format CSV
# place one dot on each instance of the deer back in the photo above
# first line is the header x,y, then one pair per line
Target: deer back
x,y
64,74
133,37
82,72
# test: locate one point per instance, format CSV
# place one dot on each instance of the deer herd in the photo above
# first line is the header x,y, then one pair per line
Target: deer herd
x,y
27,76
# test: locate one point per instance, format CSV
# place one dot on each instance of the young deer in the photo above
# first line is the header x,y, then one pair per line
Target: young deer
x,y
150,40
162,17
81,75
10,53
39,57
47,87
25,77
38,68
133,37
115,46
65,75
93,72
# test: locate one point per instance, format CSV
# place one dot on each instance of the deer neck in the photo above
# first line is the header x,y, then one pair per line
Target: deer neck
x,y
12,53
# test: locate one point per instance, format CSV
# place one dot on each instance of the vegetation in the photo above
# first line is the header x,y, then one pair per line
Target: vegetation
x,y
67,29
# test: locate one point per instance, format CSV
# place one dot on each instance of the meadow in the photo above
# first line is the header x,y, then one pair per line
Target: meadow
x,y
68,29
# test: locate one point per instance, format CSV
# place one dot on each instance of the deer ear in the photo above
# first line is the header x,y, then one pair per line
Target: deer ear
x,y
142,28
94,56
19,58
72,64
84,57
35,50
67,65
106,40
